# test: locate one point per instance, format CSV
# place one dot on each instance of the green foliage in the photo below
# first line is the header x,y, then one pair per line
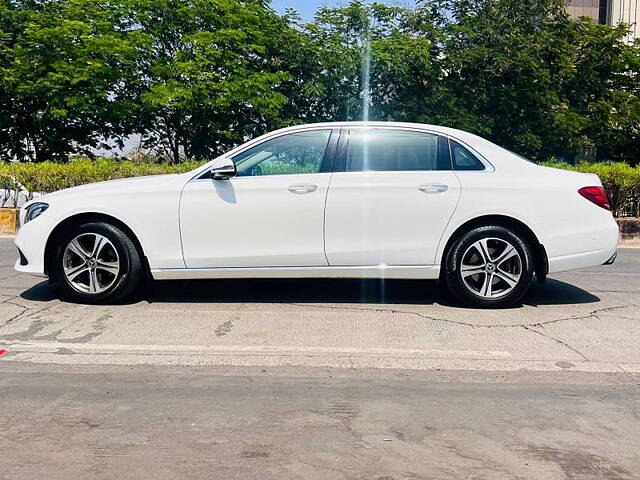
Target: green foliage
x,y
62,64
206,76
620,180
47,177
196,77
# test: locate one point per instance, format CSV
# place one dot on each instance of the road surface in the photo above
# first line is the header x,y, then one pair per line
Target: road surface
x,y
322,380
581,321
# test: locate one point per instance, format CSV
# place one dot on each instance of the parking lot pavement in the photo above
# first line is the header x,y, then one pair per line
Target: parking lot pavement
x,y
579,321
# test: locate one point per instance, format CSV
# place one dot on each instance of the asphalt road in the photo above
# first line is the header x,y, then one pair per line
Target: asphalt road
x,y
322,380
581,321
82,422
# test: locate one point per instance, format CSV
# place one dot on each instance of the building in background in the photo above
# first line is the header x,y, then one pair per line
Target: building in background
x,y
609,12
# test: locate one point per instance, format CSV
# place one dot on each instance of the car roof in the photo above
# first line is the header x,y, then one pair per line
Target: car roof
x,y
374,124
489,151
452,132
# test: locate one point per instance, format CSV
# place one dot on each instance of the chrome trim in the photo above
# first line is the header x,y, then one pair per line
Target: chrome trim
x,y
433,188
257,141
302,188
489,167
325,271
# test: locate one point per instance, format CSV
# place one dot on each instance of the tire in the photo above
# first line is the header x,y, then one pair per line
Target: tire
x,y
500,282
96,263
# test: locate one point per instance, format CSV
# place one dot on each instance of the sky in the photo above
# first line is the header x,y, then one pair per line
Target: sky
x,y
307,8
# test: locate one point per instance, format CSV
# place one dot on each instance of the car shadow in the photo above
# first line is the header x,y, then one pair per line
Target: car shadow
x,y
389,292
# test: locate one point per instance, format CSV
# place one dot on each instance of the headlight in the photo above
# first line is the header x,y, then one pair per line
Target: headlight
x,y
35,210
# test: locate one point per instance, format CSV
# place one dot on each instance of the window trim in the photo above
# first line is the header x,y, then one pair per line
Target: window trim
x,y
472,152
341,133
340,160
345,140
327,165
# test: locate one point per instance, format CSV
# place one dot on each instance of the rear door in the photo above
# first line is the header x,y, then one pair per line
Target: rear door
x,y
392,198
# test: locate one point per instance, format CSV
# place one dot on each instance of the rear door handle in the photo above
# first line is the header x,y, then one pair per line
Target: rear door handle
x,y
303,188
433,188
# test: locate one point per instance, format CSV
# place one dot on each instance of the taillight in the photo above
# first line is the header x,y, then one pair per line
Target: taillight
x,y
596,195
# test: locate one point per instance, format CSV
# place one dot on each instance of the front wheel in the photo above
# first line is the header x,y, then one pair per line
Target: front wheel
x,y
97,263
489,267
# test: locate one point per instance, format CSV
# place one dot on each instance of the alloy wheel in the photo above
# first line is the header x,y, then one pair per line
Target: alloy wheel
x,y
91,263
491,268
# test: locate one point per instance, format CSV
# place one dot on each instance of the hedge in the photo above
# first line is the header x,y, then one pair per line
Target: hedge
x,y
49,177
621,181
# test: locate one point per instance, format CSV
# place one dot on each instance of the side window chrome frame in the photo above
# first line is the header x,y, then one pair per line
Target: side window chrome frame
x,y
328,160
488,166
345,137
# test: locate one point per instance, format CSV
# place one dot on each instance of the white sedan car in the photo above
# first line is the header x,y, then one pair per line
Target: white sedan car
x,y
337,200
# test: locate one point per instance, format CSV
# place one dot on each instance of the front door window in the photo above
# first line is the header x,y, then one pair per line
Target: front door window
x,y
293,154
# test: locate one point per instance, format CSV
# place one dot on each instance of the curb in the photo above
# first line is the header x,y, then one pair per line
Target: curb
x,y
9,221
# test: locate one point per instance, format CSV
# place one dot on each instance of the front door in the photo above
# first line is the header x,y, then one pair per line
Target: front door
x,y
393,199
270,215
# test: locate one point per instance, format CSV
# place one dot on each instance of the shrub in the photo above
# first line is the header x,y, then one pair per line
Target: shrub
x,y
621,181
46,177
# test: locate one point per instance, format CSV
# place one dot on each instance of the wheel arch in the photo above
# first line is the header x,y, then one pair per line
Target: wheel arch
x,y
541,263
85,217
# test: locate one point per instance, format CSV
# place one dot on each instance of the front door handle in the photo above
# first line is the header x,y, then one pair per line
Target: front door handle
x,y
303,188
433,188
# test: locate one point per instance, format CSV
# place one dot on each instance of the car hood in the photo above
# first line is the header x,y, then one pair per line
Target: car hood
x,y
115,187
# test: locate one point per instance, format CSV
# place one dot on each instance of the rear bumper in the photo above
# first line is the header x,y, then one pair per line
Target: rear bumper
x,y
582,260
589,243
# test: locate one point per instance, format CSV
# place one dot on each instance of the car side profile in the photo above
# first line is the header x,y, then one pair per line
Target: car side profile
x,y
335,200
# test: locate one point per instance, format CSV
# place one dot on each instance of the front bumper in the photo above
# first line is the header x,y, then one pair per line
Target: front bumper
x,y
612,259
31,241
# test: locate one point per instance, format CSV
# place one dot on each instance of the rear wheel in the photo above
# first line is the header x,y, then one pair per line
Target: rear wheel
x,y
97,263
489,266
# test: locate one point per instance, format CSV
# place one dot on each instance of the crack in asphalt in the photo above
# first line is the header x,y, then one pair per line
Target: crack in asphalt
x,y
227,326
626,292
591,314
17,315
527,326
11,276
560,342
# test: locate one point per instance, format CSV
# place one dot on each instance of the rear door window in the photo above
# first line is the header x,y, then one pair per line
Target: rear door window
x,y
393,150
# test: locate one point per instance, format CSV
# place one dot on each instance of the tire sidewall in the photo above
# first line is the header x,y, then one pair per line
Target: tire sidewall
x,y
114,235
454,279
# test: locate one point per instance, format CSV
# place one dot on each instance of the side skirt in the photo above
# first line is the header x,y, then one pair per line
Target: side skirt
x,y
417,272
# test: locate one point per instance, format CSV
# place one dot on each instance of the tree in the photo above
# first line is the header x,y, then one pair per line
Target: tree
x,y
357,55
206,78
525,75
61,77
603,90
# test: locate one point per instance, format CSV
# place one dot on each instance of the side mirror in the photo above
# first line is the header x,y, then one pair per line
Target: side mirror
x,y
223,169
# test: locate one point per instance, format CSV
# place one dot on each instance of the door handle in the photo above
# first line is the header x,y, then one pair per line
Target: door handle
x,y
433,188
303,188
